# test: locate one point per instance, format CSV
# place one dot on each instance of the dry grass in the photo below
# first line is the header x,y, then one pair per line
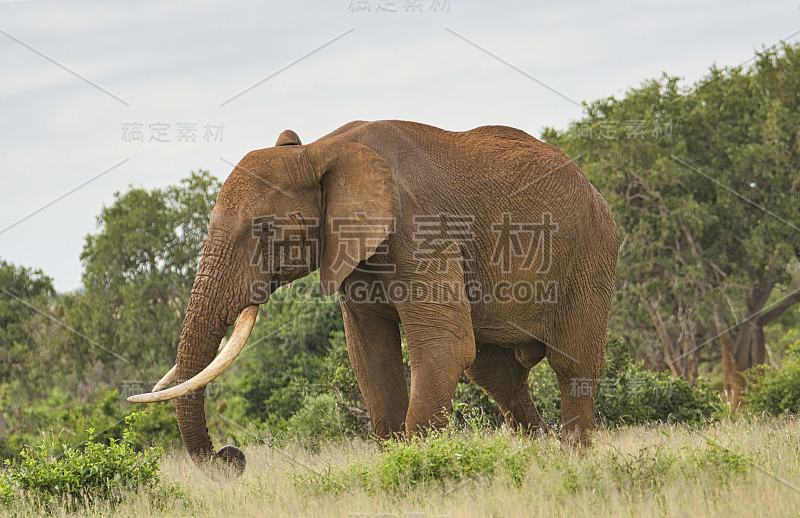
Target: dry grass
x,y
732,468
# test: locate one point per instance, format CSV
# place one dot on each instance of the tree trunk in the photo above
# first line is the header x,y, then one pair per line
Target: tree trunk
x,y
732,379
687,358
663,337
738,355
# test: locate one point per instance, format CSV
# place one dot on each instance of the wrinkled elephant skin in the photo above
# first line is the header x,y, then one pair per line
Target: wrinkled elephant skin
x,y
489,246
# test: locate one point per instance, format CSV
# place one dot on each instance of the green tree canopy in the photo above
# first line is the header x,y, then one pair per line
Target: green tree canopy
x,y
139,268
23,292
704,184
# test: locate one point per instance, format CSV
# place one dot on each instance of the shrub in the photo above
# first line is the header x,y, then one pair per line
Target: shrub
x,y
647,468
440,461
298,355
654,466
723,463
473,407
320,417
546,394
448,459
82,476
775,391
106,413
628,393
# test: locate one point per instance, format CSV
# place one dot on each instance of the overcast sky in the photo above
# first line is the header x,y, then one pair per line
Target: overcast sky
x,y
81,82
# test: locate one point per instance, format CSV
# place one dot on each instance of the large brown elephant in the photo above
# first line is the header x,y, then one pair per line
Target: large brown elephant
x,y
489,246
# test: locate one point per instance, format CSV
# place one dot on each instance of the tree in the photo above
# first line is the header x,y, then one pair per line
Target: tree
x,y
139,268
704,183
23,293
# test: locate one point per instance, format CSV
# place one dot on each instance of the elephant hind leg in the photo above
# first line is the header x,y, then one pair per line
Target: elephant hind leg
x,y
577,411
497,371
576,355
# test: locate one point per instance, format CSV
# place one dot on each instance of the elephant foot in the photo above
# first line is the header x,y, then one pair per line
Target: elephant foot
x,y
576,443
230,461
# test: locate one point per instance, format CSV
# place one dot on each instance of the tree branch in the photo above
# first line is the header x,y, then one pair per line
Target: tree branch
x,y
777,310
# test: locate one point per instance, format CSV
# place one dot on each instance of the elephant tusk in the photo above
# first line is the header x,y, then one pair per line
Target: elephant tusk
x,y
167,380
169,377
244,325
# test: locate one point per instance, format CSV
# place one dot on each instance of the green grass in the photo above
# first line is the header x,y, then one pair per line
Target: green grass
x,y
735,467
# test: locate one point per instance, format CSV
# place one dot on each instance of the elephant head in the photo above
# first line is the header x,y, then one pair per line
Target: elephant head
x,y
277,218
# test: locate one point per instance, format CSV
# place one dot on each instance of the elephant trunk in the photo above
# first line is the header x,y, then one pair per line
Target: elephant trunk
x,y
211,310
197,347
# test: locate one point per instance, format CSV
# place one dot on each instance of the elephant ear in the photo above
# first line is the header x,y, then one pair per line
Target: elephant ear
x,y
360,204
288,138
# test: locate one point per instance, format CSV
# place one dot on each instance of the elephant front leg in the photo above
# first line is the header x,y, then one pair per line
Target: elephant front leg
x,y
373,345
440,346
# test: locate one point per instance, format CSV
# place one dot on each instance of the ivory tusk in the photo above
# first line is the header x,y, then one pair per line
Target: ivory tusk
x,y
167,380
244,325
169,377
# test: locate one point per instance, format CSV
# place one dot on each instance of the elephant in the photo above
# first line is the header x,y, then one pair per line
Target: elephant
x,y
489,247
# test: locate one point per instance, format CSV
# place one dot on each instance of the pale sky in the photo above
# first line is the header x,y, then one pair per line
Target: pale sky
x,y
76,77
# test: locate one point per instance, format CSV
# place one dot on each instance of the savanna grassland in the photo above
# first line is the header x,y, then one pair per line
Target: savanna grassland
x,y
735,467
729,469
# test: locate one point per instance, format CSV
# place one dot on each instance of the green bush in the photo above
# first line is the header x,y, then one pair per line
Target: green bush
x,y
311,398
722,462
106,414
473,407
442,460
775,391
628,393
293,348
78,477
654,466
320,417
647,468
546,394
